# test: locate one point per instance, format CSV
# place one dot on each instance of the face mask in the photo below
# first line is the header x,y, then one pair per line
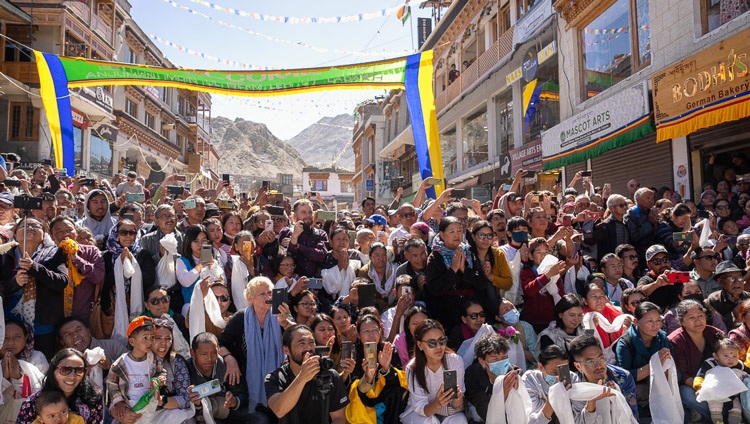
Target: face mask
x,y
520,236
512,317
499,367
550,379
698,297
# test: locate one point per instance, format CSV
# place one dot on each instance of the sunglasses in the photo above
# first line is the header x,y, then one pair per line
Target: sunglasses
x,y
127,232
432,343
476,315
408,215
68,370
223,298
658,262
278,219
157,300
164,322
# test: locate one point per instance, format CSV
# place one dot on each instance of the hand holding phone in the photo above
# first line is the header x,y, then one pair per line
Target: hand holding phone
x,y
207,389
678,277
277,298
450,382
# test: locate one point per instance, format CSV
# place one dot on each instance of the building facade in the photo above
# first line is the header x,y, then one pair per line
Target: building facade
x,y
334,185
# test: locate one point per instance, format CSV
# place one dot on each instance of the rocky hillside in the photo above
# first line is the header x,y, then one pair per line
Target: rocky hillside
x,y
325,140
248,148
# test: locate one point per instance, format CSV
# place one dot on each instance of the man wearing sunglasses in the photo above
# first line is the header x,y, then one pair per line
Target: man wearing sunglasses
x,y
732,293
705,262
655,284
407,216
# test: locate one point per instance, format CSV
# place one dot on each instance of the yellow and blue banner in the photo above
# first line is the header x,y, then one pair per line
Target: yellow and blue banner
x,y
412,73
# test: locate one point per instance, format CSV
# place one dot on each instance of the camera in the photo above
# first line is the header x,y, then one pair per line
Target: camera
x,y
27,203
324,379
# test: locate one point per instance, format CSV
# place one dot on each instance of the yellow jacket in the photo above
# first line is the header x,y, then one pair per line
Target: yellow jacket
x,y
356,411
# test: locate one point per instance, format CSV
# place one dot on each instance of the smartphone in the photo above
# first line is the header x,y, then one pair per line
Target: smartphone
x,y
704,214
371,354
12,183
176,190
458,193
366,295
180,178
586,173
347,349
682,236
315,283
243,195
278,297
90,182
247,249
135,197
47,161
61,172
313,193
207,253
450,381
269,225
326,215
589,331
381,234
207,389
563,374
567,220
539,198
530,174
406,290
225,177
507,187
731,240
188,204
678,277
434,181
278,197
591,216
352,238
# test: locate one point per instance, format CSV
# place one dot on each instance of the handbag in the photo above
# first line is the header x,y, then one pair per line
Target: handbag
x,y
100,323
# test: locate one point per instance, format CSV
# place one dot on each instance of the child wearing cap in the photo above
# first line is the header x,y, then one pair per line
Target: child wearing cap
x,y
135,373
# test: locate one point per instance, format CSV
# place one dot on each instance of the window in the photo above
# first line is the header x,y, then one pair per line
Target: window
x,y
608,54
165,133
504,19
131,107
543,111
287,179
524,6
180,140
101,156
319,185
715,13
15,53
150,121
164,94
78,147
504,106
448,149
346,187
474,133
24,122
131,55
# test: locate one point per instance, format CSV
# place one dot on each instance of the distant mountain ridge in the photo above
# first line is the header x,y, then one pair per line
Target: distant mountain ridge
x,y
325,140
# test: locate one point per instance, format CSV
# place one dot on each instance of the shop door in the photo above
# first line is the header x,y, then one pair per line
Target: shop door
x,y
644,160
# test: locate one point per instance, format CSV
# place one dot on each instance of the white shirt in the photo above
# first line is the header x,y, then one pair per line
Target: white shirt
x,y
398,233
419,398
138,378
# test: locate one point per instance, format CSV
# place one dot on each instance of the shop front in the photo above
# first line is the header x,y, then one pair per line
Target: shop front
x,y
703,102
613,138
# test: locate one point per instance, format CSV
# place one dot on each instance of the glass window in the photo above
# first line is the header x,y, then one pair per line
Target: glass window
x,y
24,122
543,111
448,150
715,13
504,106
475,139
78,147
131,108
287,179
319,185
150,120
607,44
524,6
101,156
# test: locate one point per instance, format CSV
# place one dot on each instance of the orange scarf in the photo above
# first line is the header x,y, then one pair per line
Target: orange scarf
x,y
70,247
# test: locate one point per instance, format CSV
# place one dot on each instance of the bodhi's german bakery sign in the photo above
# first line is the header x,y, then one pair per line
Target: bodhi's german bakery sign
x,y
706,89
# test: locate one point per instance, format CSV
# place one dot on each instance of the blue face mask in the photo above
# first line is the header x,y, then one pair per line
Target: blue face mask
x,y
499,367
550,379
512,317
520,236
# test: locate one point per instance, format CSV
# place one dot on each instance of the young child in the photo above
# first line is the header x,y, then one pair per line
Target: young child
x,y
52,408
130,376
726,355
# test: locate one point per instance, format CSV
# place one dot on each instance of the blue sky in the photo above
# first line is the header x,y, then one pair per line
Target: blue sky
x,y
383,37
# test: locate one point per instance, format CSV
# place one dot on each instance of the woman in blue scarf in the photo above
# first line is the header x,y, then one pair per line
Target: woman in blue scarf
x,y
251,342
453,274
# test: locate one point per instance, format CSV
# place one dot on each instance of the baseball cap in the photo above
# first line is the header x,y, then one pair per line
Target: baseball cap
x,y
391,211
138,322
6,197
655,250
377,219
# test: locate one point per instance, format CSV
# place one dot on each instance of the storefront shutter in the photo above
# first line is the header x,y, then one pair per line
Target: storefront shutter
x,y
644,160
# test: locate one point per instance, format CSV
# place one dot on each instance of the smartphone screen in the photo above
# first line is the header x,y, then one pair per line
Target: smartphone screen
x,y
458,193
585,173
563,374
371,354
366,295
450,381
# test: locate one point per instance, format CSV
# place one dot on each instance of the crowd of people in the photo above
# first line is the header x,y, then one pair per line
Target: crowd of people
x,y
132,303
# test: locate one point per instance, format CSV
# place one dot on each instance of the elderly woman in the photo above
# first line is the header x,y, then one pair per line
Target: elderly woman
x,y
690,290
251,342
32,277
596,301
634,350
741,335
692,343
381,272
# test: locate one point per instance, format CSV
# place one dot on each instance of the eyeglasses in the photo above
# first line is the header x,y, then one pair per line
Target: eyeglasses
x,y
637,302
476,315
710,257
127,232
167,217
157,300
223,298
432,343
584,205
634,185
307,304
408,215
591,363
732,279
620,205
631,257
278,219
485,236
68,370
658,262
722,207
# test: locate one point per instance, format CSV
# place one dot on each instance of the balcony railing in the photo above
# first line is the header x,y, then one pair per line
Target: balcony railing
x,y
96,24
484,63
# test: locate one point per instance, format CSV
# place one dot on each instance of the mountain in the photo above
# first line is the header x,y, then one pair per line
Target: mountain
x,y
248,148
326,139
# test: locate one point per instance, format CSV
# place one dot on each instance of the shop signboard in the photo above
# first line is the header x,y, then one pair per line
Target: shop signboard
x,y
424,29
703,90
571,140
99,96
527,157
532,21
531,61
369,185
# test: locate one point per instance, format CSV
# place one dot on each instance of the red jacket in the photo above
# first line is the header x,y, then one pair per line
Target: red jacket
x,y
538,308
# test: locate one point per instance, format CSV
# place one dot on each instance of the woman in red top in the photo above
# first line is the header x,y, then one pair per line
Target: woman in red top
x,y
539,305
596,301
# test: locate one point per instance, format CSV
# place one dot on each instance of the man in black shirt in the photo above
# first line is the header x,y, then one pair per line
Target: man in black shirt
x,y
655,283
291,389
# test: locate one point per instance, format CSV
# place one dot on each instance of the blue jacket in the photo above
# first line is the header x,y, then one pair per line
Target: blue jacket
x,y
632,353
